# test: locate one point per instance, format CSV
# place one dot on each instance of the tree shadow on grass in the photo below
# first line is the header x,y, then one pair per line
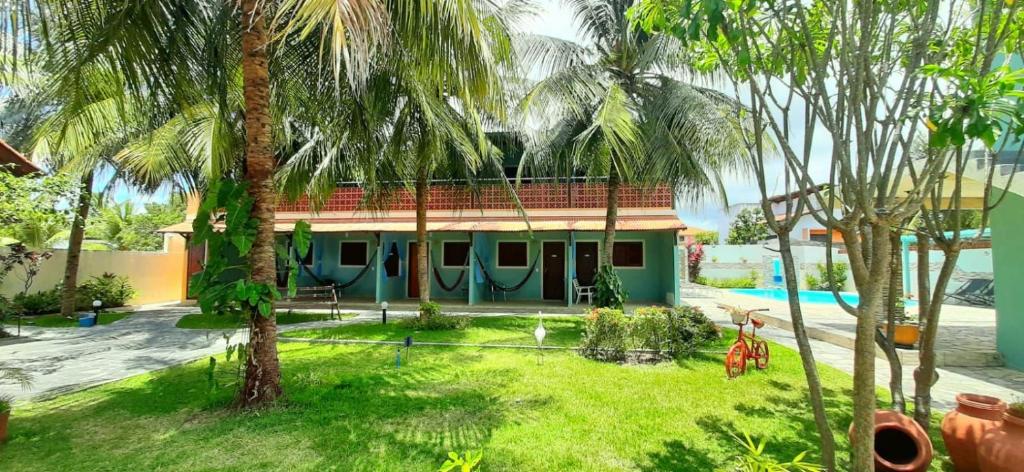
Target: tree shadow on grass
x,y
348,406
679,457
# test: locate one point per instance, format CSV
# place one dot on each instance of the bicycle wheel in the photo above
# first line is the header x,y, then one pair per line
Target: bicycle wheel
x,y
761,354
736,361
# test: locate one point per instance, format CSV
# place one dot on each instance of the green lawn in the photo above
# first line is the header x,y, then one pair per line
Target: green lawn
x,y
220,321
561,331
349,408
57,321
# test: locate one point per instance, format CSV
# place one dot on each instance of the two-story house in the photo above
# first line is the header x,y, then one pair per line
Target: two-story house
x,y
481,248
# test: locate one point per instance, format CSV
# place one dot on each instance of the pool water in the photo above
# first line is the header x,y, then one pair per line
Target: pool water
x,y
806,296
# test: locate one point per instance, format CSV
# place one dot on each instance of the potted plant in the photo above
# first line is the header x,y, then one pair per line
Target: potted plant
x,y
907,330
5,414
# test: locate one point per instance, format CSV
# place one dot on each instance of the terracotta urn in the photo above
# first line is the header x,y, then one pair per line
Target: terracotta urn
x,y
3,424
901,445
1001,449
906,334
963,427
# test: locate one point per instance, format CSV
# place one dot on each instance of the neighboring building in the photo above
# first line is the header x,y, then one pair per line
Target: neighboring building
x,y
807,227
480,243
14,161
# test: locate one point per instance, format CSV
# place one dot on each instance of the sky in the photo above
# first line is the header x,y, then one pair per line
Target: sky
x,y
554,19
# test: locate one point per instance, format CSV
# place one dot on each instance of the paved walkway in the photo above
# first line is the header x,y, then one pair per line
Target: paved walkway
x,y
1005,383
65,360
69,359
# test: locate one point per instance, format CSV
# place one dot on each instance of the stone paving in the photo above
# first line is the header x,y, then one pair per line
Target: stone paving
x,y
65,360
69,359
998,381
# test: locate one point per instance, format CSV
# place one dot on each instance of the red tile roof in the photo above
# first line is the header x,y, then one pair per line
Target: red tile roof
x,y
14,161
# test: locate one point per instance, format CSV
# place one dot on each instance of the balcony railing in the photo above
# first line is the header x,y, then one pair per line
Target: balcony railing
x,y
539,194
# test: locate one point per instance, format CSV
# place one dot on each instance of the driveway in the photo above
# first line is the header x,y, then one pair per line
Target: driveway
x,y
68,359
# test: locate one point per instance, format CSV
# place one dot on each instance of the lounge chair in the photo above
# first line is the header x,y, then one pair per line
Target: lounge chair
x,y
972,292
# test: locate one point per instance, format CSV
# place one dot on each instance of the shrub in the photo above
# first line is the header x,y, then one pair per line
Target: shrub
x,y
824,281
694,257
604,335
113,290
39,303
431,319
738,282
688,328
1017,409
649,328
706,237
608,289
6,401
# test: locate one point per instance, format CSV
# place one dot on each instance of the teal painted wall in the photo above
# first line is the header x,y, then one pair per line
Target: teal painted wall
x,y
654,283
326,252
1007,261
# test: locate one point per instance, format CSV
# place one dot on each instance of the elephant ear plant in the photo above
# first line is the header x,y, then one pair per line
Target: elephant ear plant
x,y
224,222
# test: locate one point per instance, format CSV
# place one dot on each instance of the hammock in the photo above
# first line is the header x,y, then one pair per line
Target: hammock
x,y
338,286
440,281
494,284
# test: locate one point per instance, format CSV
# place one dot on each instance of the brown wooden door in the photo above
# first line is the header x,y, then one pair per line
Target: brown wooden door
x,y
553,270
586,262
413,278
196,259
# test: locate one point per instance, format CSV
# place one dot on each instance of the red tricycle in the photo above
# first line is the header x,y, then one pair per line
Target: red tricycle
x,y
747,346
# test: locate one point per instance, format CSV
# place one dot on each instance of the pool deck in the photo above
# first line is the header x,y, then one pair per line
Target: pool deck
x,y
967,355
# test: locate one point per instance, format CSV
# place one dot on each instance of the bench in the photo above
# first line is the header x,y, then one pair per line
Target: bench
x,y
316,294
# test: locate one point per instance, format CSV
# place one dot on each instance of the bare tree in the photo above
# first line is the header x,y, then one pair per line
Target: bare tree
x,y
863,73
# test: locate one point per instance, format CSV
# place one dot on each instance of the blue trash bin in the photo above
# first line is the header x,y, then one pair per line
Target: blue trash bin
x,y
86,321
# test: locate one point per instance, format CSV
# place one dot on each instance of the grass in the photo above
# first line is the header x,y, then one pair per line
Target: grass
x,y
349,408
223,321
561,331
57,321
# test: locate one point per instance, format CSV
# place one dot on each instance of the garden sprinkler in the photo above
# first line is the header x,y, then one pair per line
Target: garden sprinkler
x,y
408,344
398,358
539,334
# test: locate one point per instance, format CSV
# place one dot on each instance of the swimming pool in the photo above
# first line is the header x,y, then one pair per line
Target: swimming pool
x,y
806,296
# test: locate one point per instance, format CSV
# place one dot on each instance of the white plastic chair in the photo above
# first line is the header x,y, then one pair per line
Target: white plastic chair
x,y
583,291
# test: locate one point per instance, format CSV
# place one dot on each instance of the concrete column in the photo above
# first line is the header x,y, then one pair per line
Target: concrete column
x,y
378,286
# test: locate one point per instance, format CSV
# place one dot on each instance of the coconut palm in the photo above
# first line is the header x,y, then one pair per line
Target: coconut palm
x,y
617,107
177,57
429,122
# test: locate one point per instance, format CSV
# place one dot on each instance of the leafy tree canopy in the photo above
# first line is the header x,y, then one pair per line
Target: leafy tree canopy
x,y
749,227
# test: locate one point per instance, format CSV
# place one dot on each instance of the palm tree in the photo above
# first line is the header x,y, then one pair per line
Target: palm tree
x,y
177,56
616,108
430,121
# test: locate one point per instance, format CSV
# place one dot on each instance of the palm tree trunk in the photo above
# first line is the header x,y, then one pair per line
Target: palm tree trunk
x,y
423,251
803,342
262,370
68,296
612,215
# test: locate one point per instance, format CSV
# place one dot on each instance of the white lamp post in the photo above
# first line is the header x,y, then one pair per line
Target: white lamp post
x,y
383,312
96,304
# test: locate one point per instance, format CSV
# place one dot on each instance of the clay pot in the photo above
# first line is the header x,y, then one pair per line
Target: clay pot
x,y
906,335
3,425
963,428
1001,449
901,445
